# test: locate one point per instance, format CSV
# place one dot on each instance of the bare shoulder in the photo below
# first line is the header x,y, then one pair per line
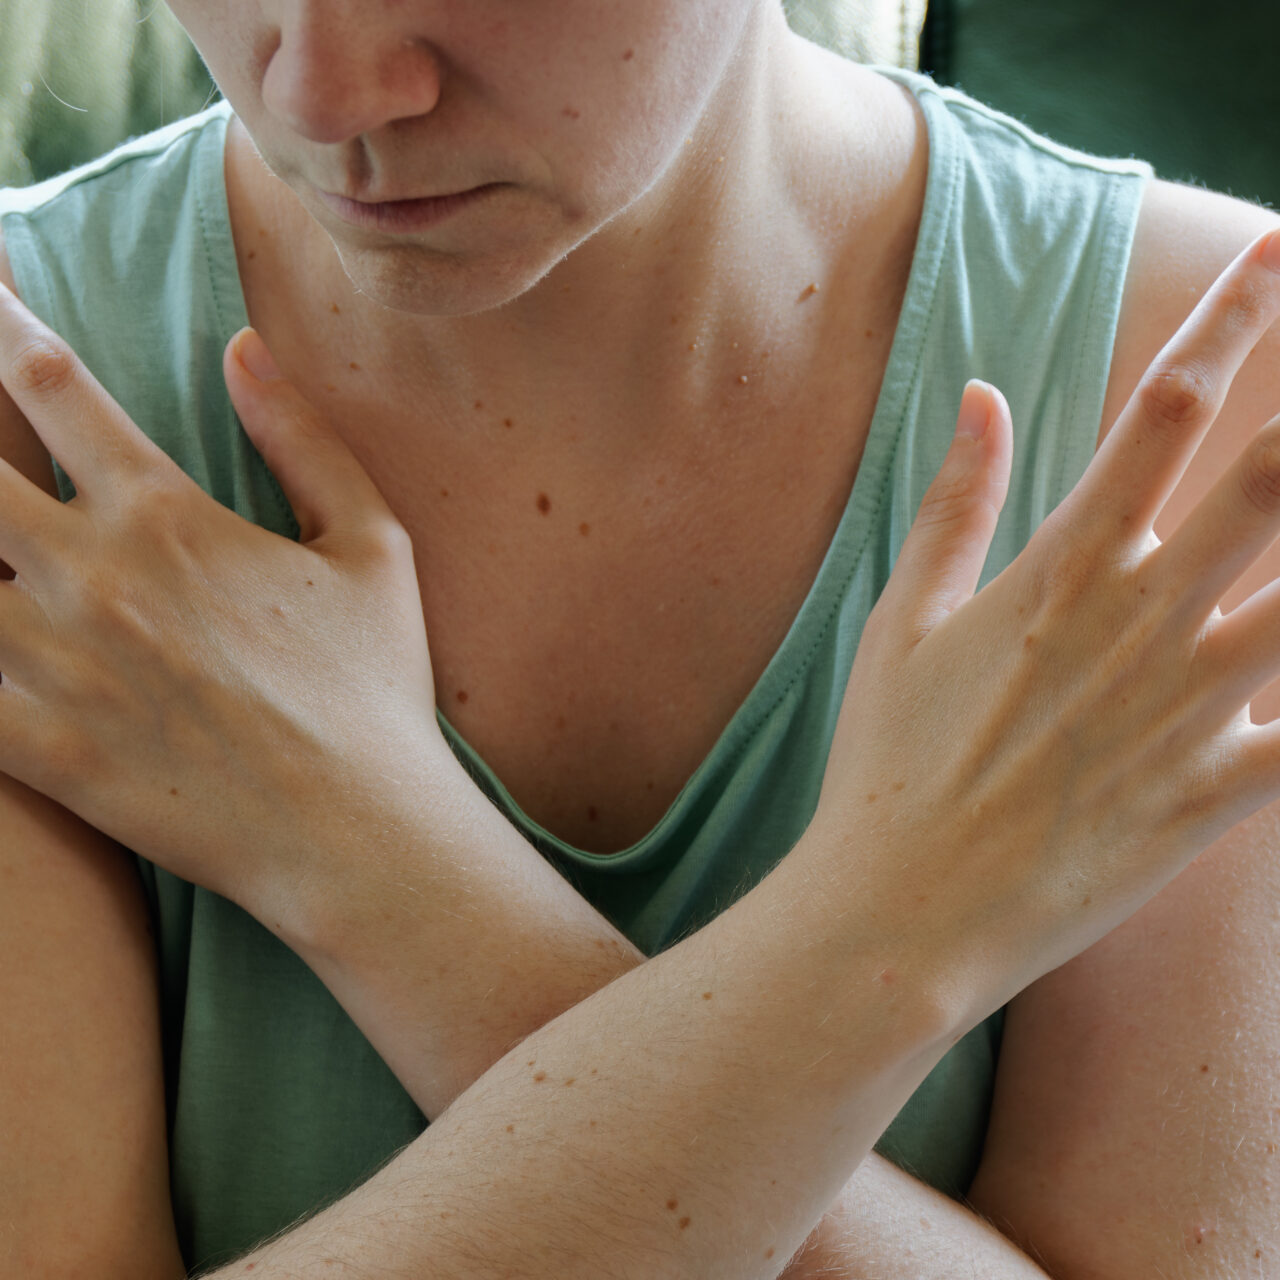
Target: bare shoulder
x,y
1185,238
19,444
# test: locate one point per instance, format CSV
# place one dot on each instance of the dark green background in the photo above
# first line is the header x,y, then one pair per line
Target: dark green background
x,y
1191,87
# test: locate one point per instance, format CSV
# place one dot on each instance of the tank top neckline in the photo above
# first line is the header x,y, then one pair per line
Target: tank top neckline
x,y
852,535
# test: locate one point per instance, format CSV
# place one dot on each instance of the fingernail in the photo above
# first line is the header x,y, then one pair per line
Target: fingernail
x,y
975,410
252,353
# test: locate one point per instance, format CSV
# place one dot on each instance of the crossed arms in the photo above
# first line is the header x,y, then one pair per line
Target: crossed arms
x,y
1047,1176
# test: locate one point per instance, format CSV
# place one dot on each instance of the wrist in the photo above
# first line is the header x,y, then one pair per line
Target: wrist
x,y
444,934
351,829
921,941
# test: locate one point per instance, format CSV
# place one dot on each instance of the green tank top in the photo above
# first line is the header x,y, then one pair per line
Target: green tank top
x,y
277,1104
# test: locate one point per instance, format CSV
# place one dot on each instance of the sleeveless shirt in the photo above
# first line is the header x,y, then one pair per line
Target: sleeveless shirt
x,y
276,1103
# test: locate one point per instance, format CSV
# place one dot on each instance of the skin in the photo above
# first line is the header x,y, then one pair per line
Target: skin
x,y
491,305
1002,873
605,394
344,261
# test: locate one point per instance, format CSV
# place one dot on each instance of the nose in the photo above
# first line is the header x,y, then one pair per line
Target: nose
x,y
340,71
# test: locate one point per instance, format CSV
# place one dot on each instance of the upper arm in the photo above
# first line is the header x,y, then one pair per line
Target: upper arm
x,y
83,1149
1135,1128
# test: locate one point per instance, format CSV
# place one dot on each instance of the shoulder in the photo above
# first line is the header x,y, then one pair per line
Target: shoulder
x,y
1185,238
19,444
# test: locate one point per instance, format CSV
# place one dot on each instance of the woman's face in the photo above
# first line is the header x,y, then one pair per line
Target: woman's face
x,y
588,112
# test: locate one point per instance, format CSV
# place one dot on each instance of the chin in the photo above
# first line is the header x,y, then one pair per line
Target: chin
x,y
414,280
440,287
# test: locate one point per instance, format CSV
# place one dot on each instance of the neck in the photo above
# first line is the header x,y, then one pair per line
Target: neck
x,y
676,310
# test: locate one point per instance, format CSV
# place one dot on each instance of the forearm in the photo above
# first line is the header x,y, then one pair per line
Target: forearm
x,y
653,1131
872,1229
886,1225
443,933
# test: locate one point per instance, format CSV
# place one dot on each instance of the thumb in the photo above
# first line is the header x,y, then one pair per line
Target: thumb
x,y
325,485
941,560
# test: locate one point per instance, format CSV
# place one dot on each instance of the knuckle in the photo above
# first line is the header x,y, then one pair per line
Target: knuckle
x,y
43,368
385,538
157,519
1250,297
167,503
1063,565
1198,800
108,608
112,609
1178,394
1058,589
1260,474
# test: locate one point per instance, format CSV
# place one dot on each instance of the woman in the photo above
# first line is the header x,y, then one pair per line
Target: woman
x,y
654,405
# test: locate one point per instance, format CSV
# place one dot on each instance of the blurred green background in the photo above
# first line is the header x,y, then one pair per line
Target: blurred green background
x,y
78,77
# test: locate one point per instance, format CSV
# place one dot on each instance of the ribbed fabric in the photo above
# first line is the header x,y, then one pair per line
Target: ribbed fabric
x,y
277,1103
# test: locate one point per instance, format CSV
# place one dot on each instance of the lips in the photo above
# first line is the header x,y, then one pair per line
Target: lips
x,y
441,195
402,216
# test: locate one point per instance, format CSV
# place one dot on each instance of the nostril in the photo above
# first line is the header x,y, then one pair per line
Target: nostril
x,y
330,88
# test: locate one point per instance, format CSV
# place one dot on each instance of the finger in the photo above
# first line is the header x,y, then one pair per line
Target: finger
x,y
30,749
1147,450
68,408
1249,777
326,486
1240,655
31,522
1231,526
941,560
25,633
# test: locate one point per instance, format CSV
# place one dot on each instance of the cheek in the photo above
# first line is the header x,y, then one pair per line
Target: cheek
x,y
611,132
614,157
612,104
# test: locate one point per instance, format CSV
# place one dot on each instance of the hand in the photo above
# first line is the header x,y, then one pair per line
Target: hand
x,y
200,689
1026,767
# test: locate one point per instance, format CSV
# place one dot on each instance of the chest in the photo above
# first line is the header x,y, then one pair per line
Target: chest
x,y
593,648
592,636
